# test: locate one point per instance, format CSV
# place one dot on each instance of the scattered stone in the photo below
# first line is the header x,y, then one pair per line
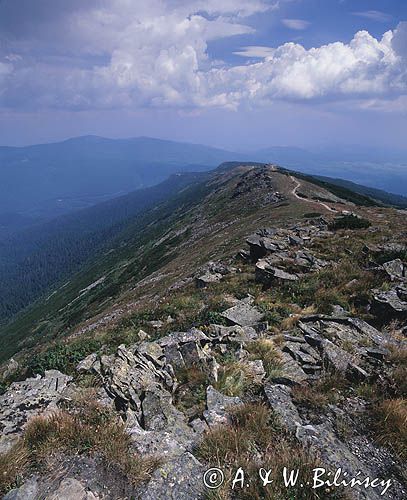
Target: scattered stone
x,y
207,279
142,335
12,367
335,357
290,372
391,304
268,274
87,364
255,370
71,489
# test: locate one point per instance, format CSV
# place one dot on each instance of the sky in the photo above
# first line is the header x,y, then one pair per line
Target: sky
x,y
238,74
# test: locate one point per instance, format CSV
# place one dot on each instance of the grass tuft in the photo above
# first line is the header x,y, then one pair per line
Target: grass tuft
x,y
86,428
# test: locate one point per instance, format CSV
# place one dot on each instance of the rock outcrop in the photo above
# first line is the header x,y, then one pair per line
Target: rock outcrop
x,y
26,399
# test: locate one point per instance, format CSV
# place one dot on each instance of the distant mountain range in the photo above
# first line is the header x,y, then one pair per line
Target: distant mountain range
x,y
51,179
40,182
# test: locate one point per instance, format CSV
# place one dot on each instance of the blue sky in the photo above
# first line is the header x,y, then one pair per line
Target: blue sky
x,y
233,73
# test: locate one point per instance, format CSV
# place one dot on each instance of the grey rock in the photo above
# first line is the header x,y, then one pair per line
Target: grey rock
x,y
391,304
71,489
243,315
376,353
11,368
295,240
177,338
26,399
177,479
87,364
268,274
335,357
339,329
142,335
255,370
128,375
207,279
27,491
279,399
385,249
322,440
217,405
290,372
396,269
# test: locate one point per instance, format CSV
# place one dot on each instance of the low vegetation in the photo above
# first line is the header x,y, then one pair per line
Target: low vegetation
x,y
85,428
254,439
349,222
390,421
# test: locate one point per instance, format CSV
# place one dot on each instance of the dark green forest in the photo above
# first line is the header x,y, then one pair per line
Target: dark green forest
x,y
36,259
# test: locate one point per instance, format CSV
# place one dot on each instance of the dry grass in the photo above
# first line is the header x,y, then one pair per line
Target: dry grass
x,y
234,379
398,373
326,390
391,425
13,465
255,440
84,429
190,395
265,350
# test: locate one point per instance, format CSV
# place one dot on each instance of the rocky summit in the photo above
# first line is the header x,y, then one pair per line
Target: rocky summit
x,y
258,327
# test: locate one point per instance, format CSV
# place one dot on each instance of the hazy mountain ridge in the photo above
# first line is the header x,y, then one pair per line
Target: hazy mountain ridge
x,y
48,180
55,178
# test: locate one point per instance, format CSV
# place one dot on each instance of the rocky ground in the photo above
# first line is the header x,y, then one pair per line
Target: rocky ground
x,y
317,386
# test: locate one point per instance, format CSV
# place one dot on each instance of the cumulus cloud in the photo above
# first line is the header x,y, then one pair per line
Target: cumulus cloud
x,y
296,24
114,53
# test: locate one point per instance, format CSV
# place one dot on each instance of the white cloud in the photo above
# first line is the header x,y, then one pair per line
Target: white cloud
x,y
118,54
296,24
255,51
374,15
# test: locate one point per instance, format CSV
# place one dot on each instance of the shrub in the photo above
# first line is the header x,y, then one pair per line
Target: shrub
x,y
190,395
349,222
233,379
62,357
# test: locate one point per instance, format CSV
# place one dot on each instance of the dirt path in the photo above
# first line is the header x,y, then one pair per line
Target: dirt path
x,y
294,192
